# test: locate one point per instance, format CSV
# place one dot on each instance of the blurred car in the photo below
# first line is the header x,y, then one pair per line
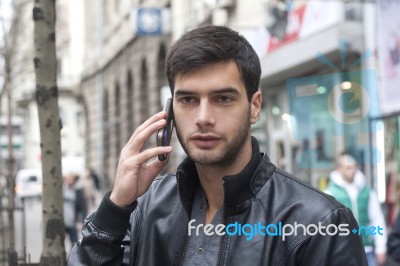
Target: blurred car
x,y
28,183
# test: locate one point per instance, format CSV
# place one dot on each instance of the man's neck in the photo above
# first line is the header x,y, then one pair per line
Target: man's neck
x,y
211,179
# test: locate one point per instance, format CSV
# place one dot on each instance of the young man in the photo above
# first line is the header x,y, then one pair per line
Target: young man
x,y
180,219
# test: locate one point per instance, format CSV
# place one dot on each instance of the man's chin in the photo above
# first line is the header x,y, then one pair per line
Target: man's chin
x,y
205,158
210,159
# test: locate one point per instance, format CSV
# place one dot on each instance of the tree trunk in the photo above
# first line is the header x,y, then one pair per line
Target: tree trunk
x,y
12,254
44,17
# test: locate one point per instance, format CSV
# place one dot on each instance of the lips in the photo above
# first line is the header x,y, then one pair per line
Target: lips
x,y
205,141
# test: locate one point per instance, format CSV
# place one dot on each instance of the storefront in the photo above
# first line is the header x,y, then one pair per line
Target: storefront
x,y
317,95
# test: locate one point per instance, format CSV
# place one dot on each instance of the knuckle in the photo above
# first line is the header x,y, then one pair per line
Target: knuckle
x,y
145,153
135,142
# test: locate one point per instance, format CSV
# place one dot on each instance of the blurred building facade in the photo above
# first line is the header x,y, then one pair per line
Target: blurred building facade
x,y
123,75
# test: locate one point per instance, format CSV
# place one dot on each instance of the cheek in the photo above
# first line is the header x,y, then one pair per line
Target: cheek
x,y
238,116
181,120
233,120
350,172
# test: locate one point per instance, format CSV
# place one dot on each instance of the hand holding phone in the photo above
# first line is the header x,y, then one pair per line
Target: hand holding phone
x,y
164,135
136,170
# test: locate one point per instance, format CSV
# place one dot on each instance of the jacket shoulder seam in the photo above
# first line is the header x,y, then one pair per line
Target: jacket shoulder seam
x,y
300,182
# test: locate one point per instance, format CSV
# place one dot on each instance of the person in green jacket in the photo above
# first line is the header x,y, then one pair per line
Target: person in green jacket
x,y
348,185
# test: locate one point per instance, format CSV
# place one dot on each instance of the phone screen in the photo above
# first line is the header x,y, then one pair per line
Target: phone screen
x,y
164,135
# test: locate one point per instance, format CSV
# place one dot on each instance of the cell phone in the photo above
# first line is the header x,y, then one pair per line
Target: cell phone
x,y
164,135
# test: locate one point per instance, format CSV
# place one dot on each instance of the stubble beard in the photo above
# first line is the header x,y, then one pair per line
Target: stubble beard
x,y
224,157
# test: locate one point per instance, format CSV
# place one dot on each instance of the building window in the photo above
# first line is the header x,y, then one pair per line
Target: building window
x,y
117,119
129,104
144,95
161,77
106,127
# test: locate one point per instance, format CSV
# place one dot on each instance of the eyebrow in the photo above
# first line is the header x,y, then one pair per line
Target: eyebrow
x,y
183,92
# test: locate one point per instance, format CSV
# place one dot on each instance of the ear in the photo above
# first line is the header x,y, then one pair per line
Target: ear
x,y
255,106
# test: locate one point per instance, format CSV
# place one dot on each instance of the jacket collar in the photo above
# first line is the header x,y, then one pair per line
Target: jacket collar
x,y
238,189
359,180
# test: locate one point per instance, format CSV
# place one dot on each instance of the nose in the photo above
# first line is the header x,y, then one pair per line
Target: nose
x,y
205,116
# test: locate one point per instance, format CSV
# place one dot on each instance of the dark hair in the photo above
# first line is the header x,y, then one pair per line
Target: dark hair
x,y
212,44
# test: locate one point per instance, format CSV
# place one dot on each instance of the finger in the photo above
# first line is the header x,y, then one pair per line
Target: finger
x,y
152,152
139,140
144,156
139,159
147,123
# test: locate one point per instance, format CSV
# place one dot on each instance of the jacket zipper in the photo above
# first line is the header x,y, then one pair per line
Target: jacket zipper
x,y
223,238
183,253
223,242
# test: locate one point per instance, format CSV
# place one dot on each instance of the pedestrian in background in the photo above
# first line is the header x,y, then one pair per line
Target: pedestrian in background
x,y
348,185
75,208
90,184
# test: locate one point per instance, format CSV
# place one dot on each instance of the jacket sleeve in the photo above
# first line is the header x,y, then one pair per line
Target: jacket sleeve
x,y
80,206
106,238
341,248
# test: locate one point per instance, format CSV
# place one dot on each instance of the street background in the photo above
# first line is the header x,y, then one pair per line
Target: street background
x,y
330,82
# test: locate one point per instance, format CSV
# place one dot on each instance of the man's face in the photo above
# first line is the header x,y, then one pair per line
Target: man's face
x,y
69,180
348,171
212,113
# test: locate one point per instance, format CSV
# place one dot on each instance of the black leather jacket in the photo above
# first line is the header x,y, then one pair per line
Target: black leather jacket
x,y
158,234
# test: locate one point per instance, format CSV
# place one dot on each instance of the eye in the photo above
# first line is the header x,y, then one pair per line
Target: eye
x,y
187,100
224,99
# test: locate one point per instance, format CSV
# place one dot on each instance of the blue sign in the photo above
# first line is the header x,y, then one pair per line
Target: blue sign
x,y
149,21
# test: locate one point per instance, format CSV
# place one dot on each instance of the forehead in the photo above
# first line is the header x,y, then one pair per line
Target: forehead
x,y
69,178
349,166
209,78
